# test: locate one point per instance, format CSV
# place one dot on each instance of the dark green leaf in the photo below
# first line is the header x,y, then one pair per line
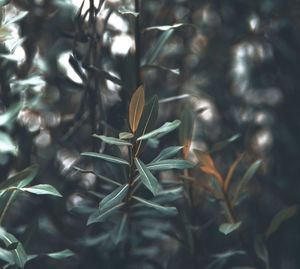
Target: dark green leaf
x,y
169,164
156,49
245,179
168,27
164,129
60,254
147,178
227,228
124,11
18,254
120,230
261,251
102,216
280,217
168,210
167,153
42,189
7,145
6,255
113,198
112,140
163,68
126,135
20,179
105,157
12,246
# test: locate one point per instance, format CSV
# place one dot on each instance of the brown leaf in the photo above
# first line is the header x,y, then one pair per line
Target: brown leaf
x,y
230,172
136,108
212,171
204,158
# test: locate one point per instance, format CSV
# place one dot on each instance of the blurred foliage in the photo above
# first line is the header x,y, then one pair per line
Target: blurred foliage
x,y
170,126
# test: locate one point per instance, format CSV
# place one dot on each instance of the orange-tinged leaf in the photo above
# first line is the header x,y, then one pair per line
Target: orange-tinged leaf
x,y
136,108
186,149
204,158
231,170
213,172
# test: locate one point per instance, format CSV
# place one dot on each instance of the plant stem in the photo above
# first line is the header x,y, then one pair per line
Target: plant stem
x,y
6,207
137,45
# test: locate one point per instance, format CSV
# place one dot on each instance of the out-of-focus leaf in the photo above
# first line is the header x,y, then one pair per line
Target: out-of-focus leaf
x,y
156,49
207,165
245,179
108,76
125,11
14,19
164,129
100,216
10,114
280,217
261,251
42,189
59,255
231,170
220,145
186,130
174,98
119,232
4,2
113,198
168,210
227,228
169,164
19,255
112,140
168,27
105,157
7,145
126,135
136,108
21,179
5,34
168,196
160,67
147,178
167,153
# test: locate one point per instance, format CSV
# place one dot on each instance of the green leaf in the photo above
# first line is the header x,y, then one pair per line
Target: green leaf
x,y
227,228
186,130
156,49
105,157
125,11
6,255
280,217
19,255
164,129
59,255
7,145
119,232
113,198
20,179
163,68
147,178
220,145
168,27
167,153
261,251
14,19
102,216
169,210
112,140
42,189
106,75
126,135
169,164
170,195
10,113
245,179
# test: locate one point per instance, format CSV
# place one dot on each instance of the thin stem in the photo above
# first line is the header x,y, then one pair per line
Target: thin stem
x,y
137,45
6,207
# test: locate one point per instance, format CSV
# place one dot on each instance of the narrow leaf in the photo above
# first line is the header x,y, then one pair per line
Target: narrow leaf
x,y
113,198
147,178
124,11
227,228
231,170
171,210
169,164
19,255
126,135
164,129
167,153
102,216
63,254
120,230
280,217
245,179
112,140
186,130
168,27
20,179
136,108
105,157
42,189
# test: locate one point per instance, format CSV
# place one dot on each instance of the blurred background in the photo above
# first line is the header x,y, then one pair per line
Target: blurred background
x,y
233,62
